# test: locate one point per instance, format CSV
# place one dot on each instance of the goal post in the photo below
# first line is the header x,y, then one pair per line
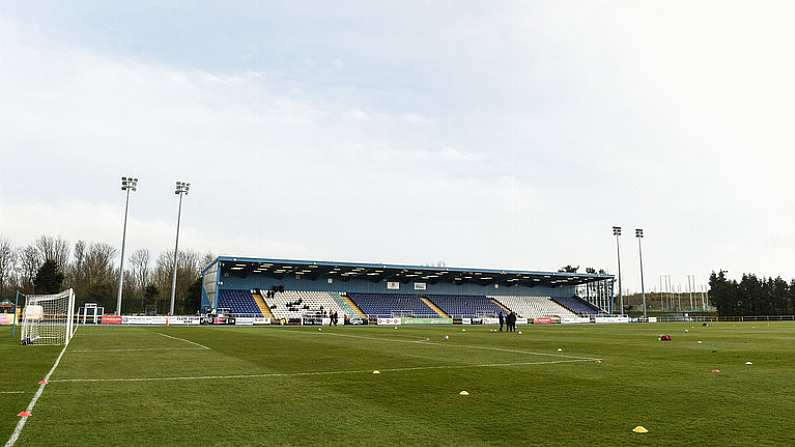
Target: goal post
x,y
48,319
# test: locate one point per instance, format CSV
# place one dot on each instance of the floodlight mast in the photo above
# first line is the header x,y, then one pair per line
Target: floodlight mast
x,y
181,189
128,184
639,235
617,233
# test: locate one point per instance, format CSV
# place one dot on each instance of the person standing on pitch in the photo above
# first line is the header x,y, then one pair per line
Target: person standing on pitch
x,y
512,322
502,320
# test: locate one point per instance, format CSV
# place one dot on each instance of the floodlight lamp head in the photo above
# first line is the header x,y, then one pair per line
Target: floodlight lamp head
x,y
129,183
616,231
639,232
182,188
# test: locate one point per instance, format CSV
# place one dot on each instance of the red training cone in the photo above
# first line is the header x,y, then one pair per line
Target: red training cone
x,y
43,382
24,414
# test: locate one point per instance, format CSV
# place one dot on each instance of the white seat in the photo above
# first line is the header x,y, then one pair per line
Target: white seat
x,y
533,306
313,300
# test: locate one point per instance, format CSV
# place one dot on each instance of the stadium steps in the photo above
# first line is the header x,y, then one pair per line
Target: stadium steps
x,y
434,307
356,309
500,305
266,312
348,309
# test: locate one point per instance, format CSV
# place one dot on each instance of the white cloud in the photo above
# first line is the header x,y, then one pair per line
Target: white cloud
x,y
499,137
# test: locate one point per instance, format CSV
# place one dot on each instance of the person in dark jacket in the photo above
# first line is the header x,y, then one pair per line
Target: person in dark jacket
x,y
512,322
502,320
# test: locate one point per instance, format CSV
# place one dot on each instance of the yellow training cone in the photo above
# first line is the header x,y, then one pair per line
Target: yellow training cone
x,y
376,372
464,393
640,429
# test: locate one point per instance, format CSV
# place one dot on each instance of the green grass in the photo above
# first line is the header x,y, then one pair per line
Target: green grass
x,y
667,387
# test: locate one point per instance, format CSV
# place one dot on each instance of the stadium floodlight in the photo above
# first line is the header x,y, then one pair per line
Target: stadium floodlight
x,y
128,184
181,189
617,233
639,236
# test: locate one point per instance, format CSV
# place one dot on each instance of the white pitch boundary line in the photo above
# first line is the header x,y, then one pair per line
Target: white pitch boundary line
x,y
317,373
485,348
186,341
24,419
13,392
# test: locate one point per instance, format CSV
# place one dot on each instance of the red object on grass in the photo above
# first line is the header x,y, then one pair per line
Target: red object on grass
x,y
43,382
666,338
24,414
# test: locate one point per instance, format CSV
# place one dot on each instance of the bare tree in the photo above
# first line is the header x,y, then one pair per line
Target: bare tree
x,y
29,263
80,254
74,271
207,259
96,274
98,263
55,249
188,267
8,262
140,272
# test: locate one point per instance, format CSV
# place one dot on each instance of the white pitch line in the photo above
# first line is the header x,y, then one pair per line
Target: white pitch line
x,y
13,392
182,339
138,350
485,348
108,334
316,373
24,420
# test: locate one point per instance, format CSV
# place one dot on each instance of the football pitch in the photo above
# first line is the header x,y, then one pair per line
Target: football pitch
x,y
557,385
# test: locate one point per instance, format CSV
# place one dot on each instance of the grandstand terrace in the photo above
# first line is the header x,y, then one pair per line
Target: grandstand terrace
x,y
357,289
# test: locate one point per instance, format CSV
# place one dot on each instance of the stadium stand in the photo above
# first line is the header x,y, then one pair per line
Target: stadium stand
x,y
434,307
239,302
293,304
344,304
466,306
353,306
533,306
578,305
259,300
391,304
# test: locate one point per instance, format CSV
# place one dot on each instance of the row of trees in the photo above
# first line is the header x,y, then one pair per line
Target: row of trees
x,y
752,295
50,264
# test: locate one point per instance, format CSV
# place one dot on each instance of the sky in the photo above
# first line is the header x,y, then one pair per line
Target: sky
x,y
508,134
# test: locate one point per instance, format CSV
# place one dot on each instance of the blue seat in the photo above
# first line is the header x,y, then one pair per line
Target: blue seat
x,y
239,302
577,305
389,304
465,306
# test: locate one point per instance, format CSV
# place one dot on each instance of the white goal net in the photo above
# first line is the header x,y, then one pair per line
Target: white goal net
x,y
48,319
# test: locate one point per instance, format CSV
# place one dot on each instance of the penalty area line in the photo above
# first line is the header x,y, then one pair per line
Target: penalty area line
x,y
182,339
320,373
